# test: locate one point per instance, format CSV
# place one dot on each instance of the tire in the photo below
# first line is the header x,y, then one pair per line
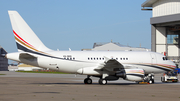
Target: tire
x,y
163,79
152,77
88,81
102,81
151,81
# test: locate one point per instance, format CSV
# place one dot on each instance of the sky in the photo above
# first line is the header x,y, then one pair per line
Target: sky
x,y
78,24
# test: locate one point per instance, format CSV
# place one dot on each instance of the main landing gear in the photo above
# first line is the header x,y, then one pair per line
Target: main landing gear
x,y
149,78
102,81
88,80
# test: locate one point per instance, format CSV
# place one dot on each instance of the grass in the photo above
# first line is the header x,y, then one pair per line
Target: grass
x,y
153,95
49,72
2,74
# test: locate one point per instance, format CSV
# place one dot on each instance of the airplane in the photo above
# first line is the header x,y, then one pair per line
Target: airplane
x,y
134,66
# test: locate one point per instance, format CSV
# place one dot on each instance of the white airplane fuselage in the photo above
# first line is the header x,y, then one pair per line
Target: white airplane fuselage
x,y
72,61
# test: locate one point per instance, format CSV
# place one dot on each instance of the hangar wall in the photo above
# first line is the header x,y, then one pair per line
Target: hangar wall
x,y
164,7
3,60
165,41
160,39
165,27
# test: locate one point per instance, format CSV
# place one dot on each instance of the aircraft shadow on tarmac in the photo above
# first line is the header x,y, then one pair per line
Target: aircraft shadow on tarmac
x,y
48,92
133,83
84,84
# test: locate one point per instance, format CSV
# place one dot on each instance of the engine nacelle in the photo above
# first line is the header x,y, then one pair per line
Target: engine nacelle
x,y
89,71
132,74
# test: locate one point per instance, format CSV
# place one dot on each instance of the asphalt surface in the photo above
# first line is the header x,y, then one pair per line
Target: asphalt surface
x,y
16,86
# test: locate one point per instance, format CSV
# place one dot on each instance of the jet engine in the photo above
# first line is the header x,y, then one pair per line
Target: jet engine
x,y
131,74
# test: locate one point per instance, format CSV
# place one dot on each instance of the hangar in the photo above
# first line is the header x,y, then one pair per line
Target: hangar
x,y
165,27
114,46
3,61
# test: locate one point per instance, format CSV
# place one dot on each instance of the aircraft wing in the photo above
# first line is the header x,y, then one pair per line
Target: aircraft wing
x,y
110,65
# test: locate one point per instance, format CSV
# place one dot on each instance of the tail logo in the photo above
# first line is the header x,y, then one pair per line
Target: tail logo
x,y
23,42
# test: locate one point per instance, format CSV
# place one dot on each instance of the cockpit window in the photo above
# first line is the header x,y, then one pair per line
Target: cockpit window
x,y
164,58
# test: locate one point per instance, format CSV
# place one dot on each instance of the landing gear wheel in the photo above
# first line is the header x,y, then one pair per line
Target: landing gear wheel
x,y
88,81
151,81
149,78
102,81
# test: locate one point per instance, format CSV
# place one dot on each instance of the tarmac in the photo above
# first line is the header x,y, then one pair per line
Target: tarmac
x,y
15,86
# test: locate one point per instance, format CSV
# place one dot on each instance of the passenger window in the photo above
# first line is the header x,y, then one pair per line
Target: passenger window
x,y
123,58
126,58
116,58
99,58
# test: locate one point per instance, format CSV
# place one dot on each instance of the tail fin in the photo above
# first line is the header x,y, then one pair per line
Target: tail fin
x,y
26,39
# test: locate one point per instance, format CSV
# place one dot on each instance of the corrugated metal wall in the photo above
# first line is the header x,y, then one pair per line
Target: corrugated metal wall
x,y
3,61
166,7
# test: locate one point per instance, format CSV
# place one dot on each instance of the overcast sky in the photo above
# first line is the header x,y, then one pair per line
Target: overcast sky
x,y
77,24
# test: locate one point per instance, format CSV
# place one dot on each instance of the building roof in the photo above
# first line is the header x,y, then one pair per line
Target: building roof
x,y
108,46
168,20
116,47
2,51
148,3
102,43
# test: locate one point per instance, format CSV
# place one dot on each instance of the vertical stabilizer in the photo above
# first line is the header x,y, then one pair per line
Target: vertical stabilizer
x,y
26,39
